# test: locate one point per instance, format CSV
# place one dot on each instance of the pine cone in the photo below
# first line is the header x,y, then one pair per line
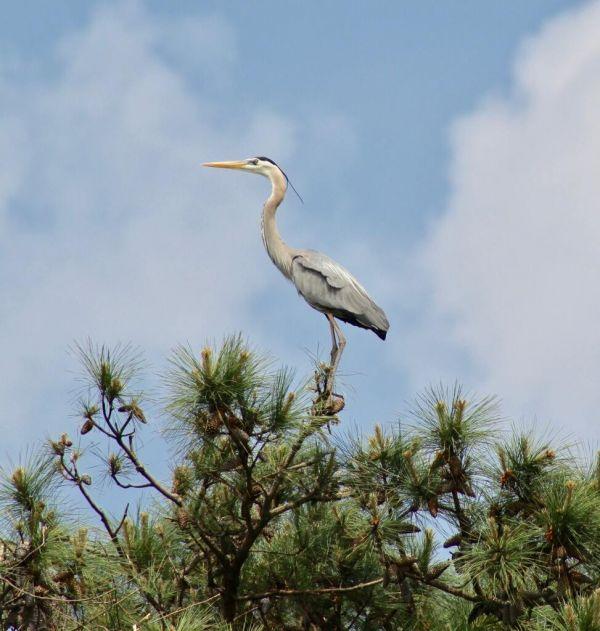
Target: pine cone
x,y
87,427
214,424
453,541
437,570
63,577
506,477
432,505
183,518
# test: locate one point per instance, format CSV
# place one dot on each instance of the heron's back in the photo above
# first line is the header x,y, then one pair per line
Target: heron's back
x,y
330,288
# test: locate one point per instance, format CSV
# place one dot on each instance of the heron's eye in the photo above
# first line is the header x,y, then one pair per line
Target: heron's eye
x,y
254,162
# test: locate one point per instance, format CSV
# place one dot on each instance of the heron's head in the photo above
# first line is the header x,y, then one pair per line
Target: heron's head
x,y
261,166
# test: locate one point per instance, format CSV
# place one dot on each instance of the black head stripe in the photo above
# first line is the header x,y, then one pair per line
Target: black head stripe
x,y
284,174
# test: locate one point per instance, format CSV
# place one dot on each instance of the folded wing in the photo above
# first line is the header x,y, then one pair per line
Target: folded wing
x,y
329,287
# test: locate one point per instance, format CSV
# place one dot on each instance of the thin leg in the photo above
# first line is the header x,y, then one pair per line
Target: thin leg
x,y
338,342
334,402
341,345
334,345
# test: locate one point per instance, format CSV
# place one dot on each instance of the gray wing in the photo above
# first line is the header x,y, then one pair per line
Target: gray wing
x,y
329,287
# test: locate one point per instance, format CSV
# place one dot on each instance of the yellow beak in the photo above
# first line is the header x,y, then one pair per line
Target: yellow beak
x,y
237,164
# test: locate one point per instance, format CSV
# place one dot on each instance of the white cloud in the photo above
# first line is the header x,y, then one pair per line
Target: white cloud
x,y
515,259
108,226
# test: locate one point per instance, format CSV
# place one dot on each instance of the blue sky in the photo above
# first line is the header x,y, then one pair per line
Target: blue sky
x,y
446,154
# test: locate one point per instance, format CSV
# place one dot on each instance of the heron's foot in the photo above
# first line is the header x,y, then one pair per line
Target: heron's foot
x,y
330,405
335,404
326,402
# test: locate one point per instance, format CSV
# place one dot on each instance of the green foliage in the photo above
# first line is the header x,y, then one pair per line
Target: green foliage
x,y
582,614
439,523
505,559
448,422
571,517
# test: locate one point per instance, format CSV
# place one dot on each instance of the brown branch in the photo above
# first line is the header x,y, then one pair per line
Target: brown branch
x,y
465,533
280,474
118,435
311,496
125,485
74,476
118,528
221,556
139,467
299,465
454,591
311,592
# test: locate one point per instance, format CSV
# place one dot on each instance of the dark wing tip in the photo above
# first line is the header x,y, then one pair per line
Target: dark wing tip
x,y
381,334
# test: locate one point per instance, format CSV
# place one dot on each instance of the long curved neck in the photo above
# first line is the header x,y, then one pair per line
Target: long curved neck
x,y
281,254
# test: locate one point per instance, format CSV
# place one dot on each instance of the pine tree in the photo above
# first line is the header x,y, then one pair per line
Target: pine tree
x,y
270,521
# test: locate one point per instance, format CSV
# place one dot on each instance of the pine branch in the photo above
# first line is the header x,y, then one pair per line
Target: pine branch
x,y
279,593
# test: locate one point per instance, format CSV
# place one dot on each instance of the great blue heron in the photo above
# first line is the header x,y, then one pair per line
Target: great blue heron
x,y
323,283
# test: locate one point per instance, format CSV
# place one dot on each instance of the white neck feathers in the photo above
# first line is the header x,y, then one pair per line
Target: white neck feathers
x,y
281,254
